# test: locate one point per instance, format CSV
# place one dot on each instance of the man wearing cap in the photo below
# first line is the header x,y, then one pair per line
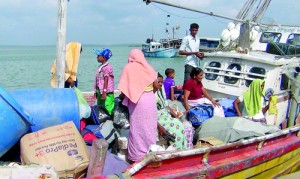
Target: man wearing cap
x,y
104,80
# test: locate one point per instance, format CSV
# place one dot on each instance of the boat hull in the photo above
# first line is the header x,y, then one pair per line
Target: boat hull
x,y
260,158
165,53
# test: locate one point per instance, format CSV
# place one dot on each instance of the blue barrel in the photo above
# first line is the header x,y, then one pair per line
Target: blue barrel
x,y
15,122
49,107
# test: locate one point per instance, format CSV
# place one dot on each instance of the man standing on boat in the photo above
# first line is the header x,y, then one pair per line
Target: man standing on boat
x,y
190,47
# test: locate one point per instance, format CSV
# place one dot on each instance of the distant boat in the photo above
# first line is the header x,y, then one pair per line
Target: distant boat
x,y
157,50
208,44
174,43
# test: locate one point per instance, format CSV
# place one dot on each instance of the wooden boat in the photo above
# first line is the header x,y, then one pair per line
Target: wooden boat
x,y
267,156
228,73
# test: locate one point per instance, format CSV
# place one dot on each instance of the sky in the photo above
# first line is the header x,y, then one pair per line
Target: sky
x,y
109,22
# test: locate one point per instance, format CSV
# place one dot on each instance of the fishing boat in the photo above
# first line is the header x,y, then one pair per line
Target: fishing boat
x,y
208,44
228,73
273,56
163,48
157,50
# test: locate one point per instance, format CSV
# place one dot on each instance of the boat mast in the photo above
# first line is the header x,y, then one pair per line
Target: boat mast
x,y
168,34
61,44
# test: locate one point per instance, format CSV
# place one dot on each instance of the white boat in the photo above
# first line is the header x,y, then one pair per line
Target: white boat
x,y
208,44
157,50
229,73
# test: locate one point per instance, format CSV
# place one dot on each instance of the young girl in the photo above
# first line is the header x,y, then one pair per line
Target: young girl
x,y
104,80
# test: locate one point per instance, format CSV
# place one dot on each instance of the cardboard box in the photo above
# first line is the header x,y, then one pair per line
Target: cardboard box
x,y
60,146
28,171
208,141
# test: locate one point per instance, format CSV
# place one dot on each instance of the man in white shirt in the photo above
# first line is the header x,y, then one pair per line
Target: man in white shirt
x,y
190,47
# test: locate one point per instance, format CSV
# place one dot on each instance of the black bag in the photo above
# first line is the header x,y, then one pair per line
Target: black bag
x,y
99,114
121,115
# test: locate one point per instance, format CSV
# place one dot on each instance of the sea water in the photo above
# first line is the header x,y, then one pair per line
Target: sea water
x,y
23,67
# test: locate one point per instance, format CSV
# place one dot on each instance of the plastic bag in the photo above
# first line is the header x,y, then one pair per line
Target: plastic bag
x,y
84,108
99,114
121,115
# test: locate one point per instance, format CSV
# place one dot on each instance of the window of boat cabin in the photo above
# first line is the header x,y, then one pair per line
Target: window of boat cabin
x,y
234,67
211,72
268,37
257,70
293,39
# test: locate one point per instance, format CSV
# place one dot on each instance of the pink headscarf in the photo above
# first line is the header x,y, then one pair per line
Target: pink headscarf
x,y
136,76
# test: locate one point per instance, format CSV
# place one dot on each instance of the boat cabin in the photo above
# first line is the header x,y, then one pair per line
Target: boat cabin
x,y
289,36
208,44
229,73
152,47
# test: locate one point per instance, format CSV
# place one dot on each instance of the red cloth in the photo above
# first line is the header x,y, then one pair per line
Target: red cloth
x,y
82,124
136,76
194,88
89,137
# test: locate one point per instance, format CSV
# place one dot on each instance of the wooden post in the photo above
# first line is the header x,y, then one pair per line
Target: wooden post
x,y
61,44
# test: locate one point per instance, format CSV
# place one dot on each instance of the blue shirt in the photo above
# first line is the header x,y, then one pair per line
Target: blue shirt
x,y
168,84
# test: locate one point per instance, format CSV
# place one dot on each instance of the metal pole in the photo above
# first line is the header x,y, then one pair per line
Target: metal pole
x,y
203,12
294,102
61,43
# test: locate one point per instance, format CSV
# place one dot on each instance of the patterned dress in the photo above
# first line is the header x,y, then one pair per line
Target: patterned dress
x,y
173,125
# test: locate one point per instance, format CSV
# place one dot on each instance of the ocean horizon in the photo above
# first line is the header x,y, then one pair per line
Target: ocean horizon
x,y
24,67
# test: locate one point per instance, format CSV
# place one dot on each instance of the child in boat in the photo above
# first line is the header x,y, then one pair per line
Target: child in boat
x,y
253,100
104,80
169,85
166,122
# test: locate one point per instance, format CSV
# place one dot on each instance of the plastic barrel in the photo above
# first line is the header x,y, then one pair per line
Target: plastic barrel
x,y
15,122
49,107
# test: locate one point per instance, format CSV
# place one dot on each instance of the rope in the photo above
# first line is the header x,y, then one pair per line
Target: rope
x,y
176,14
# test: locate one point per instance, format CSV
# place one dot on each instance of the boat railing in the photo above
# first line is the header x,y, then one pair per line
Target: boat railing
x,y
222,72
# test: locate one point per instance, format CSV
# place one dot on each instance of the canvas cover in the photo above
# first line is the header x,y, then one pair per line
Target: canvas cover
x,y
232,129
